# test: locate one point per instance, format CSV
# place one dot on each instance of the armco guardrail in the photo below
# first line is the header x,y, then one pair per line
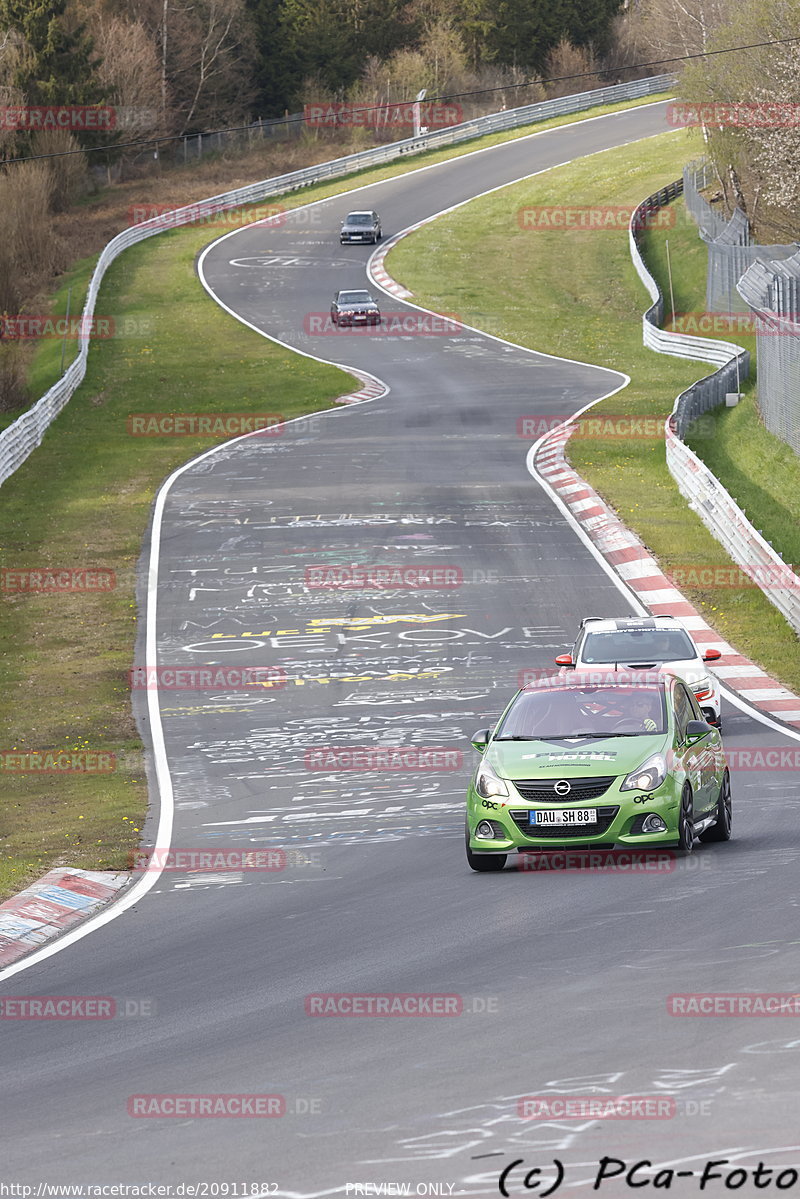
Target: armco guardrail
x,y
706,495
26,433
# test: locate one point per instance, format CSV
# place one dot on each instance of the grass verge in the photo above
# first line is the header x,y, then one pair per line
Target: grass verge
x,y
574,293
83,500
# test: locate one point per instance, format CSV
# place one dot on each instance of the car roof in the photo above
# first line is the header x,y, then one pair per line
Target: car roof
x,y
602,624
361,212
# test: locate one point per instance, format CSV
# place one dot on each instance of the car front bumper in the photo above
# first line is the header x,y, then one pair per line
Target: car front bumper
x,y
620,815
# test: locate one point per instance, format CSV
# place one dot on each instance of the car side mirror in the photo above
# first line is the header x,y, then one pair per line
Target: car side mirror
x,y
696,730
481,739
712,655
564,660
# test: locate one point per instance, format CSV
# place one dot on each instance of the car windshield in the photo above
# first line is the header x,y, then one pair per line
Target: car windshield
x,y
601,711
355,297
359,218
637,645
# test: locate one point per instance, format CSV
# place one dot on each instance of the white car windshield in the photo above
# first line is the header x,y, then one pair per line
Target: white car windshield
x,y
637,645
603,711
355,297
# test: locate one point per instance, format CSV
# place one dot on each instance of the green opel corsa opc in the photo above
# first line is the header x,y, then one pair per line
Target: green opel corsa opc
x,y
597,760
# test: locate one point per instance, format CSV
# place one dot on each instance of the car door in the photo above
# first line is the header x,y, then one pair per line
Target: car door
x,y
697,759
711,758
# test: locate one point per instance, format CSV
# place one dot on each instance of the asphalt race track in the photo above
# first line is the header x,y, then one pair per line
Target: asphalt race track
x,y
561,979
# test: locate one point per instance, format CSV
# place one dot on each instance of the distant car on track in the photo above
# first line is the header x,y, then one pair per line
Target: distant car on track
x,y
597,760
647,643
355,308
361,227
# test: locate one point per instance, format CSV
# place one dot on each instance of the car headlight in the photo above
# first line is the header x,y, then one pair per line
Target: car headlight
x,y
703,689
488,784
648,776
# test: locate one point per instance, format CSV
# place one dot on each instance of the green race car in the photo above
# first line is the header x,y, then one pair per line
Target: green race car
x,y
597,760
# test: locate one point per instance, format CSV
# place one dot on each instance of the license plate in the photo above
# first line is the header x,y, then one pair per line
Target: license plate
x,y
564,816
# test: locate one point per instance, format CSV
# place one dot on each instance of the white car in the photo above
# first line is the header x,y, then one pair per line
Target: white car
x,y
648,643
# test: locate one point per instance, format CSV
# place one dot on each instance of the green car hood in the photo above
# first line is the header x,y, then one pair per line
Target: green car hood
x,y
585,758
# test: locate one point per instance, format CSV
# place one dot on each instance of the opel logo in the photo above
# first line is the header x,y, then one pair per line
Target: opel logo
x,y
562,787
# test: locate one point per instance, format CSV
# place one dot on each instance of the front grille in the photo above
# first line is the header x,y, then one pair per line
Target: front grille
x,y
558,832
543,790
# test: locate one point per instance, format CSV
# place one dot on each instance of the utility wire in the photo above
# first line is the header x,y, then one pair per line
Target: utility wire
x,y
506,87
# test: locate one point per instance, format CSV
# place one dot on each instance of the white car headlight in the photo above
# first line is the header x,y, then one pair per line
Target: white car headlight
x,y
488,784
648,776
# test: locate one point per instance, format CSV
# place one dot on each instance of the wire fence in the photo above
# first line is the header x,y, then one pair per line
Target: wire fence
x,y
705,494
197,145
772,292
730,250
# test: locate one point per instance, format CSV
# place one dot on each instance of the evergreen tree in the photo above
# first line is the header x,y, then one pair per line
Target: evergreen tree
x,y
56,63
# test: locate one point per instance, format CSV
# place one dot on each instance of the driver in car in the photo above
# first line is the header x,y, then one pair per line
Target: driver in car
x,y
643,709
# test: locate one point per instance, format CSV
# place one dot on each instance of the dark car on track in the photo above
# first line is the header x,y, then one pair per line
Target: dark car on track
x,y
355,308
361,227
